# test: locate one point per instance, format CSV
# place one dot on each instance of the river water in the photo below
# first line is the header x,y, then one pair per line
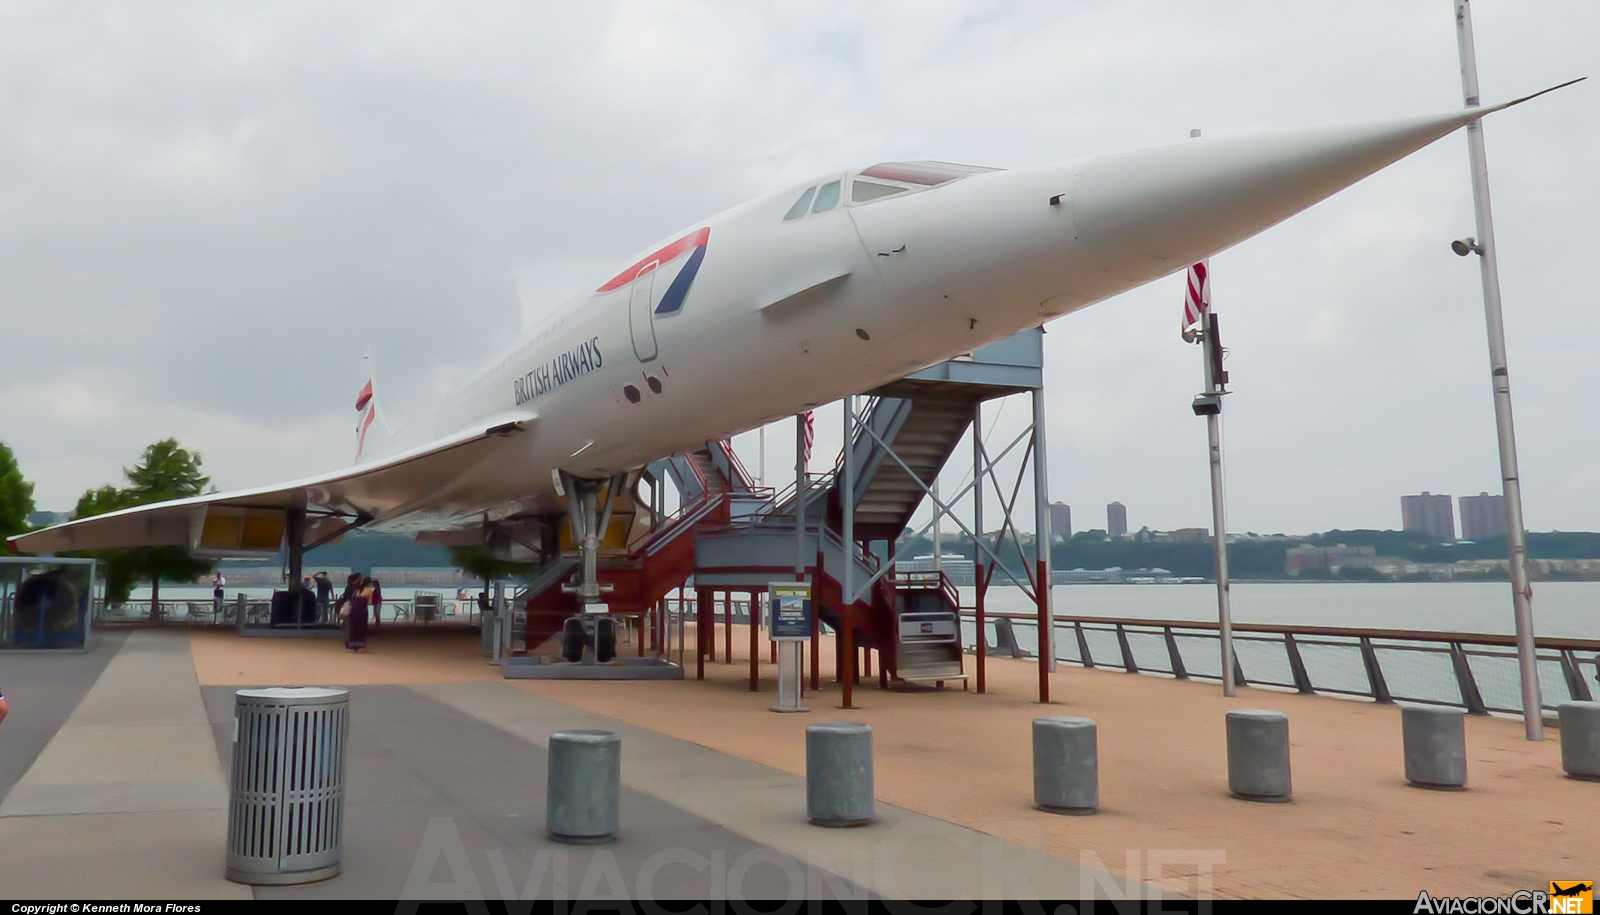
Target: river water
x,y
1569,609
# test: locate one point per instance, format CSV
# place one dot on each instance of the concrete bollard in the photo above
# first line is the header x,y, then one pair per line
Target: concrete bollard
x,y
581,800
1258,755
1435,746
1066,767
1580,739
839,774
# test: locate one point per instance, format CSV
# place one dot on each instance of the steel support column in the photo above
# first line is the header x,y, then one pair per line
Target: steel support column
x,y
847,590
1041,526
979,579
755,647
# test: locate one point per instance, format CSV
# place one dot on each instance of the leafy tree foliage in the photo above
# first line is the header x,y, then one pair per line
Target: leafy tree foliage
x,y
165,471
16,495
476,561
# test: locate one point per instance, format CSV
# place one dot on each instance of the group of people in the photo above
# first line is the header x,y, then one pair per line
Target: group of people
x,y
362,596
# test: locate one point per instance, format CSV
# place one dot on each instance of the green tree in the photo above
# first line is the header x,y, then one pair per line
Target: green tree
x,y
16,495
476,561
165,471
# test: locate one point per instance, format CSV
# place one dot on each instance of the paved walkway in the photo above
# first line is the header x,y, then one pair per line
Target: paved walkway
x,y
1355,828
126,799
446,780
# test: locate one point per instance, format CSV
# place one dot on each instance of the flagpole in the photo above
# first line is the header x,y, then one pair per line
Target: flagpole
x,y
1200,325
1219,527
1511,482
1209,405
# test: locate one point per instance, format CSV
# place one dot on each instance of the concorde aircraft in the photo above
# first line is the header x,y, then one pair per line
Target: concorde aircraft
x,y
806,295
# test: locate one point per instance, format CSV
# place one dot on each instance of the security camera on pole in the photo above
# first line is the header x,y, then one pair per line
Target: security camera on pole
x,y
1200,326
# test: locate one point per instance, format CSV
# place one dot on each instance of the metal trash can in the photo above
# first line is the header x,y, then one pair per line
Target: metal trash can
x,y
286,791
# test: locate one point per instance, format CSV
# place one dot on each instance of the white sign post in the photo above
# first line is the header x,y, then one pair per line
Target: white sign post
x,y
789,623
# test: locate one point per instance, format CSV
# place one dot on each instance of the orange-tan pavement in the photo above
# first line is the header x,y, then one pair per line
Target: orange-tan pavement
x,y
1355,828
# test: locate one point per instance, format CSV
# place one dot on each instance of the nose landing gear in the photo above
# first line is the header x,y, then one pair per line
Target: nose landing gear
x,y
589,637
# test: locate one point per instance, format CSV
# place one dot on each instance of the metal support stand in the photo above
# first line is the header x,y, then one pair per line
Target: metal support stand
x,y
502,629
847,653
1484,247
1209,405
1041,540
589,522
979,579
790,681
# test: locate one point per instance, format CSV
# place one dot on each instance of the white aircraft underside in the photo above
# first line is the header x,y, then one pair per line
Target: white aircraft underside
x,y
792,300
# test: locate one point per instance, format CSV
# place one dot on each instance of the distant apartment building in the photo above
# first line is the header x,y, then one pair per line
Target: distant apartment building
x,y
1060,521
1116,520
1191,535
1483,516
1431,513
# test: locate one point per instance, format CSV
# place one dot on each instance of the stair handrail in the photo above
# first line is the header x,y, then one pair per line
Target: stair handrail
x,y
939,579
816,484
735,464
694,465
869,558
685,519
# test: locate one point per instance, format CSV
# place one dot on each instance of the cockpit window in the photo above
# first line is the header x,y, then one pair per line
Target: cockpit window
x,y
863,191
800,206
926,174
827,197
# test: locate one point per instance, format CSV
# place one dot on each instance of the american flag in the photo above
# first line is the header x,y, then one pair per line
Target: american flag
x,y
1196,300
811,434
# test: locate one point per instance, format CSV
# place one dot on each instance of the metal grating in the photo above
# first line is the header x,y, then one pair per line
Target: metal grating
x,y
286,806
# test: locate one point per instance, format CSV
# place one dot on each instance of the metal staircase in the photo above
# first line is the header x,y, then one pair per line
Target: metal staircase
x,y
729,534
922,432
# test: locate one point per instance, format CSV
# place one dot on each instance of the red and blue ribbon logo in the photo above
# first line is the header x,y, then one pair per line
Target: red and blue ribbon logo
x,y
672,301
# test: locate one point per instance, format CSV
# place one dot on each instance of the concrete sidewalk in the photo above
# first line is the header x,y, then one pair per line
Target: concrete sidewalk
x,y
446,799
127,798
903,854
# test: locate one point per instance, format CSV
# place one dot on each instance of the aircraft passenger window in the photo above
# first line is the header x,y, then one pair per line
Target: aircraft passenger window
x,y
800,206
863,191
827,197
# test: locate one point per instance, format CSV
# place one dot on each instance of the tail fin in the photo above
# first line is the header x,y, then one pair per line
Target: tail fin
x,y
367,407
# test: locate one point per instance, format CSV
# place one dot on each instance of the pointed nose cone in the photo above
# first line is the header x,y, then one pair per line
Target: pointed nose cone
x,y
1148,213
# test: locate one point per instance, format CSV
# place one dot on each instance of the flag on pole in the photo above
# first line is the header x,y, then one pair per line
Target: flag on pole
x,y
811,434
1196,300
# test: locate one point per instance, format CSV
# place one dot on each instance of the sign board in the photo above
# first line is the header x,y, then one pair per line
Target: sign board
x,y
789,610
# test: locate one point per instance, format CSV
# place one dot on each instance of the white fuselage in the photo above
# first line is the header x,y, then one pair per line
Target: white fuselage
x,y
793,300
788,311
884,287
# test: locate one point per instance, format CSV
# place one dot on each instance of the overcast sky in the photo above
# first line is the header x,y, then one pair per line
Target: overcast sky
x,y
211,209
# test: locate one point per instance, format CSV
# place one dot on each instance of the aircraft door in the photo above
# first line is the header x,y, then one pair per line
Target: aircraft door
x,y
641,314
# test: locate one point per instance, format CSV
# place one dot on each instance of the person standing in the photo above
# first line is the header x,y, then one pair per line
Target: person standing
x,y
324,594
377,602
217,584
355,637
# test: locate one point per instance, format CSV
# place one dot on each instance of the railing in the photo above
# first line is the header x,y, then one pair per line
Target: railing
x,y
745,482
782,500
203,612
686,518
930,581
1472,671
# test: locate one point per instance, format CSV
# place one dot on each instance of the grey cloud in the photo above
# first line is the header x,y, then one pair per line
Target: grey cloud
x,y
207,211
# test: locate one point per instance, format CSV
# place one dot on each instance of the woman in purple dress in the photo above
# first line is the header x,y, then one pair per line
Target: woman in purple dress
x,y
355,637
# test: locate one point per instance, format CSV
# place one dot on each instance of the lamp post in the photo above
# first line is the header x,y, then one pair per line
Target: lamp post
x,y
1483,246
